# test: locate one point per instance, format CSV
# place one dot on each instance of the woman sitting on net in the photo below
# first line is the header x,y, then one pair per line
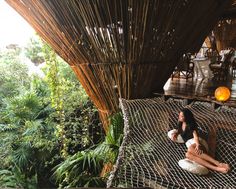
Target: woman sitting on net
x,y
197,147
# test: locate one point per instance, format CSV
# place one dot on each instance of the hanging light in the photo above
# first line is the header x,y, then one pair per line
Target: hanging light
x,y
222,94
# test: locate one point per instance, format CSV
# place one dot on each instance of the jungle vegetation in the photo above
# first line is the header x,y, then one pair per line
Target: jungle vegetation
x,y
50,133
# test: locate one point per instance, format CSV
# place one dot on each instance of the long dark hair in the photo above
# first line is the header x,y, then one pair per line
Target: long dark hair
x,y
189,118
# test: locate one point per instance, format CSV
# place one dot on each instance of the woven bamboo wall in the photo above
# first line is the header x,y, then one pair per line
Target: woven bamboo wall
x,y
121,48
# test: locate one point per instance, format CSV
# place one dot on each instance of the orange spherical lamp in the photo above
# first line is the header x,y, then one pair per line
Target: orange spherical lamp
x,y
222,94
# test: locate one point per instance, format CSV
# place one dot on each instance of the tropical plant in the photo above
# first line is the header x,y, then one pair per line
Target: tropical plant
x,y
14,76
34,50
78,125
7,179
27,136
13,178
83,169
33,110
109,149
80,170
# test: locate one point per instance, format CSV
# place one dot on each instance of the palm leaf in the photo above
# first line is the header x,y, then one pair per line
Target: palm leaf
x,y
75,168
23,155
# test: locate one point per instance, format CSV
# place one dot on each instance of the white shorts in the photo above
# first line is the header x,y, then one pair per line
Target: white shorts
x,y
201,141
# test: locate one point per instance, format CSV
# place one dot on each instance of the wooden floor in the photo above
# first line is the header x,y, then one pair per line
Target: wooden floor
x,y
200,89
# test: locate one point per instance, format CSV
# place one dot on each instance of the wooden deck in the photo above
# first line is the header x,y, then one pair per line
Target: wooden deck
x,y
200,89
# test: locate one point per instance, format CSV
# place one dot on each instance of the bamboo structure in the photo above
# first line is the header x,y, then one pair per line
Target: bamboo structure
x,y
225,33
121,48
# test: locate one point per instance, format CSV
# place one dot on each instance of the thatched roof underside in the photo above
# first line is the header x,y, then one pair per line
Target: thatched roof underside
x,y
122,48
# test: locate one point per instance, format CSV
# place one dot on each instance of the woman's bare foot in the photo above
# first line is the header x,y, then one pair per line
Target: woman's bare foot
x,y
222,170
223,167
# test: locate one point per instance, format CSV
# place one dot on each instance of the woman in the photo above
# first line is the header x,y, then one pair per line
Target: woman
x,y
197,149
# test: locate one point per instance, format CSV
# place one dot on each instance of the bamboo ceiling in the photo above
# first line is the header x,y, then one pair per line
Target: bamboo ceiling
x,y
121,48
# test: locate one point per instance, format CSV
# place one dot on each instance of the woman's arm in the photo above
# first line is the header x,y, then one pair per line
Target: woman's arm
x,y
196,138
177,132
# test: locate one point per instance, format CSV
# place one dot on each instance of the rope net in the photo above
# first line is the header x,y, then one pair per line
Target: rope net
x,y
148,158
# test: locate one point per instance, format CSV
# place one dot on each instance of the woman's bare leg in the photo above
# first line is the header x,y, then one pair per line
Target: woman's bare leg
x,y
208,159
205,163
204,156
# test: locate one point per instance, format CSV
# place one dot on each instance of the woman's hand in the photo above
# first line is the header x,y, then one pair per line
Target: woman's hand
x,y
174,136
198,149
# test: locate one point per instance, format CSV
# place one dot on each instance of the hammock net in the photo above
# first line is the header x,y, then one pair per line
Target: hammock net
x,y
148,158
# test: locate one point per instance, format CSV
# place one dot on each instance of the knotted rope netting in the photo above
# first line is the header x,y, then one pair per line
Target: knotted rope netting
x,y
148,158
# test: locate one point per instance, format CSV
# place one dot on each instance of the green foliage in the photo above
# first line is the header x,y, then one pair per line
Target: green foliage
x,y
83,168
32,112
34,50
27,135
53,79
9,179
109,149
14,179
115,134
11,54
40,87
23,107
14,76
78,125
56,87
